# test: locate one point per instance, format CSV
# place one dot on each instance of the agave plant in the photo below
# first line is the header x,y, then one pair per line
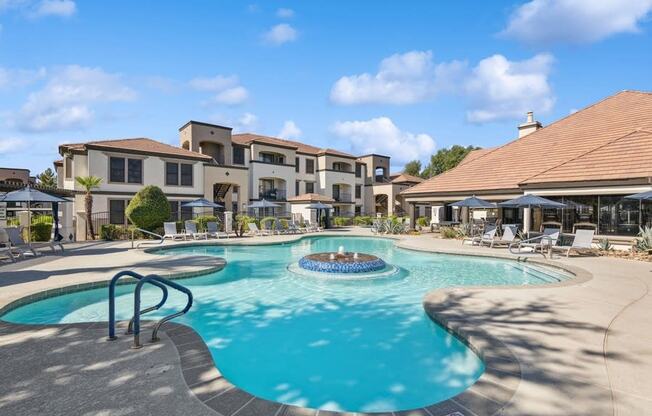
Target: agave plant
x,y
644,242
605,245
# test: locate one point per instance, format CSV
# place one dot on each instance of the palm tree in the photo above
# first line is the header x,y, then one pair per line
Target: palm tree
x,y
89,183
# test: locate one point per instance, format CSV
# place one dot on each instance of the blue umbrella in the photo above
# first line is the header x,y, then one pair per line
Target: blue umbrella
x,y
643,196
529,201
473,202
201,203
29,195
263,203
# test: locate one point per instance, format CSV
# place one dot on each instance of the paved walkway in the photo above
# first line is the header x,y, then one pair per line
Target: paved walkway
x,y
584,349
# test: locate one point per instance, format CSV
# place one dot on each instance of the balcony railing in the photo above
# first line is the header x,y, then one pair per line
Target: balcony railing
x,y
272,194
342,197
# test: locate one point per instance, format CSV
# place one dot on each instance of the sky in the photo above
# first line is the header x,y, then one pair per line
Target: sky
x,y
397,78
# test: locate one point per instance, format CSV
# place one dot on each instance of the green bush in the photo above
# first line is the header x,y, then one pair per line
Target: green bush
x,y
41,232
341,221
363,220
111,232
644,242
205,219
284,223
268,222
423,222
448,232
149,208
241,224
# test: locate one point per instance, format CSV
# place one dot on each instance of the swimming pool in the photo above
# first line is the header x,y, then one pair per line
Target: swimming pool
x,y
335,344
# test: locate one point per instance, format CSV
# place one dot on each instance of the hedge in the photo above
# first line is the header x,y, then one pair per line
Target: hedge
x,y
149,208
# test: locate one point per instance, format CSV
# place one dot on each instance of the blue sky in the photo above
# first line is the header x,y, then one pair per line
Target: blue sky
x,y
399,78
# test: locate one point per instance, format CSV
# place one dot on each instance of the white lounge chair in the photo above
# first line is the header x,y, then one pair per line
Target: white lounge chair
x,y
313,226
6,247
295,229
541,243
16,239
509,235
583,241
213,231
170,229
255,231
191,230
486,238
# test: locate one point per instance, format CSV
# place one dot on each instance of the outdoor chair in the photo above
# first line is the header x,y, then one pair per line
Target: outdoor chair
x,y
191,230
582,242
170,229
255,231
17,241
541,243
487,237
508,237
213,231
6,247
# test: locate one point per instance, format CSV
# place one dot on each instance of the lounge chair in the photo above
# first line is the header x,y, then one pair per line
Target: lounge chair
x,y
487,237
191,230
255,231
170,229
583,241
6,248
213,231
314,226
16,240
541,243
508,237
295,229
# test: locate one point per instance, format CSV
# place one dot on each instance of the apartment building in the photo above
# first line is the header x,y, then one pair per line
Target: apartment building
x,y
234,170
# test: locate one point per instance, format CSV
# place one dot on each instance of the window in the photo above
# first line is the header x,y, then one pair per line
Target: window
x,y
134,171
310,187
296,165
116,169
297,186
68,167
340,167
358,170
171,173
358,191
310,166
174,210
238,155
274,158
186,174
117,211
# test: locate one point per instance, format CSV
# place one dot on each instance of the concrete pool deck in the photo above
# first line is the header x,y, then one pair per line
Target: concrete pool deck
x,y
583,348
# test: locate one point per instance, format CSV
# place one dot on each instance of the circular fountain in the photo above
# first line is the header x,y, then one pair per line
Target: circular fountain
x,y
341,262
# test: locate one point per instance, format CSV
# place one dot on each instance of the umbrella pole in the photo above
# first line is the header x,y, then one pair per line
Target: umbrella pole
x,y
29,223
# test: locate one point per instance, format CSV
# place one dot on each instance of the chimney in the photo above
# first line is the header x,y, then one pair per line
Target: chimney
x,y
529,126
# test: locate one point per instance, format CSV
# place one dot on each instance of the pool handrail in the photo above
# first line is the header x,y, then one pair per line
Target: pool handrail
x,y
112,286
133,232
540,238
139,286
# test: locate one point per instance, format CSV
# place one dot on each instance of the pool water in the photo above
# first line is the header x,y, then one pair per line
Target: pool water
x,y
329,343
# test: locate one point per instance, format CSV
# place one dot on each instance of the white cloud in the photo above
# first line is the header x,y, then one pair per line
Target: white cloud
x,y
247,122
11,145
401,79
15,78
381,135
227,88
66,100
280,34
232,96
60,8
284,13
575,21
496,88
290,130
501,89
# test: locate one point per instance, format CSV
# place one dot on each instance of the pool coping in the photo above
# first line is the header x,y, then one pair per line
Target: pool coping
x,y
490,393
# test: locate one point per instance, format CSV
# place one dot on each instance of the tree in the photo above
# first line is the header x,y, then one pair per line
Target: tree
x,y
47,178
149,208
446,159
412,168
89,183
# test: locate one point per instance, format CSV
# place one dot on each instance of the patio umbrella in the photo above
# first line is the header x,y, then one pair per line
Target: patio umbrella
x,y
319,207
473,202
531,201
29,195
201,203
262,204
642,196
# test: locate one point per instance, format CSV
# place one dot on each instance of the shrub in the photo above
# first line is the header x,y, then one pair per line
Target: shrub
x,y
423,222
205,219
111,232
284,223
363,220
149,208
341,221
41,232
605,245
448,232
644,242
241,223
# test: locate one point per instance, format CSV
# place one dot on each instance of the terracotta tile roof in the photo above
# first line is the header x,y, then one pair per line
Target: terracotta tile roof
x,y
627,157
248,138
403,177
310,198
474,154
507,166
141,145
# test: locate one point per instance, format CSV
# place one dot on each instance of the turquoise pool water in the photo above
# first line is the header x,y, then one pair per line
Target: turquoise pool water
x,y
320,342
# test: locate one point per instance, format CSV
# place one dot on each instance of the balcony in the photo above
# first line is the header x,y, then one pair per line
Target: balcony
x,y
342,197
272,194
